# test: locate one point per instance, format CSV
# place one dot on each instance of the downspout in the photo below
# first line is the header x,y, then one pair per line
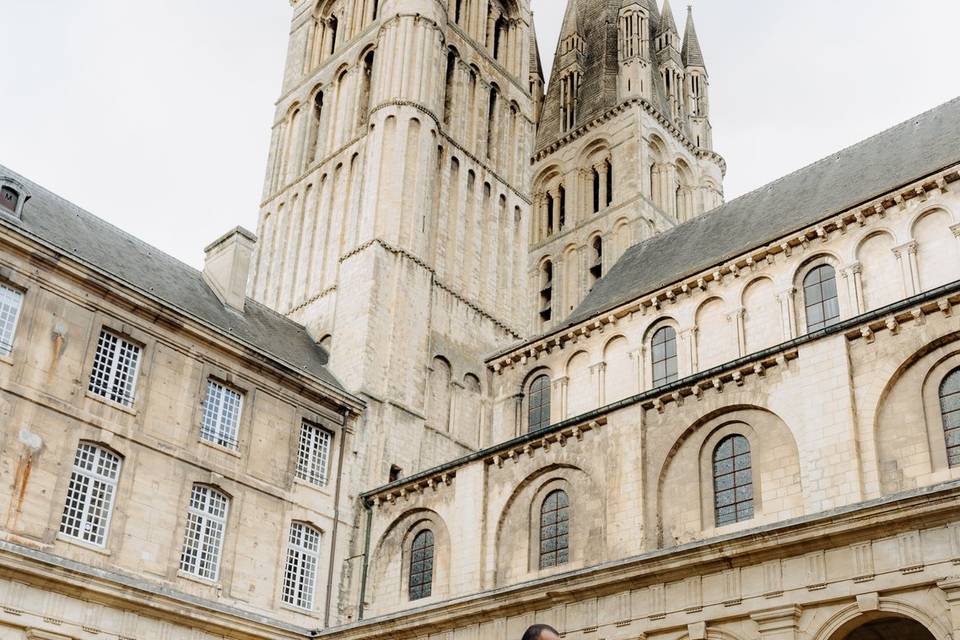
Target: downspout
x,y
366,557
336,521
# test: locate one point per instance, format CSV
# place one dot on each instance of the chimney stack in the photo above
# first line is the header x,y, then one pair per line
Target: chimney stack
x,y
227,266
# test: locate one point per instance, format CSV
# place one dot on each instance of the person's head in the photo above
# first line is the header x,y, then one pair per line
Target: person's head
x,y
541,632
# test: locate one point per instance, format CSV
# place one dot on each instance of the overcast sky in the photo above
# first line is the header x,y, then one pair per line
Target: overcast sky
x,y
156,115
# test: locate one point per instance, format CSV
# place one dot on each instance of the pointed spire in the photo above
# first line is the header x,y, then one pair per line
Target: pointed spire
x,y
691,54
536,67
571,22
667,23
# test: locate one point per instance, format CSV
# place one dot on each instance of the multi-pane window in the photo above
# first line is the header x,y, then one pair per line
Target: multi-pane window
x,y
732,481
9,199
90,494
950,410
303,558
203,540
538,404
115,367
313,454
663,352
10,302
221,415
421,566
555,530
820,298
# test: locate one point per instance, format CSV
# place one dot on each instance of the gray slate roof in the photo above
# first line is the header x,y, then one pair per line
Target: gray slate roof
x,y
691,54
86,237
912,150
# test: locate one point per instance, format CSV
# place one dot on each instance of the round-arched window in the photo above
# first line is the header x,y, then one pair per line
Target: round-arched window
x,y
538,404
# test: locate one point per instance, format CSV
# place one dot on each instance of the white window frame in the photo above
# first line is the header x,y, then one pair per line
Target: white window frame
x,y
108,359
11,305
302,567
222,408
204,533
92,489
313,453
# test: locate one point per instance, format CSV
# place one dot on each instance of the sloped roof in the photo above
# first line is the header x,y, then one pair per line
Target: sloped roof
x,y
89,239
691,54
907,152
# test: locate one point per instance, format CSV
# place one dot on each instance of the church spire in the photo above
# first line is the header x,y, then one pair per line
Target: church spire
x,y
691,54
667,23
571,22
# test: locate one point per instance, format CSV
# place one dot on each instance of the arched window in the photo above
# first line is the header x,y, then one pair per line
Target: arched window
x,y
596,190
546,291
820,298
732,481
90,495
499,30
950,410
457,10
366,76
596,264
303,561
332,25
448,95
609,183
203,537
663,351
538,404
314,136
491,120
555,530
421,566
562,221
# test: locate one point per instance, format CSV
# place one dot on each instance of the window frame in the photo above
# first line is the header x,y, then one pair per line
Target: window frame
x,y
107,393
204,517
412,561
307,473
295,579
93,476
6,349
716,476
952,377
545,392
816,267
562,509
657,382
214,435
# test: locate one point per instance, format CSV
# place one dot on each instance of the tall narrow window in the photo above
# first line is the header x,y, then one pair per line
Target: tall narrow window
x,y
313,454
9,199
820,298
562,221
538,404
664,356
115,367
499,29
546,291
491,120
596,265
421,566
90,495
332,26
376,10
457,10
448,94
609,183
950,410
549,214
303,558
315,122
11,301
555,530
732,481
366,77
221,415
596,190
203,540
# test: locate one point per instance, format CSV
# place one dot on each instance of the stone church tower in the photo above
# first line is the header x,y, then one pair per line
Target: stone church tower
x,y
394,222
624,150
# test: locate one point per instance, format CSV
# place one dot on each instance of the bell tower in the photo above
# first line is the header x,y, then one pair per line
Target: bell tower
x,y
395,208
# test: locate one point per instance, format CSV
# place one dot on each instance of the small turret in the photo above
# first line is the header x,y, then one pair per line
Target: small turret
x,y
634,32
669,62
696,86
570,64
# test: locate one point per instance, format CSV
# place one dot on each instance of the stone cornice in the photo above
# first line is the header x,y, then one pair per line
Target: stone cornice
x,y
752,262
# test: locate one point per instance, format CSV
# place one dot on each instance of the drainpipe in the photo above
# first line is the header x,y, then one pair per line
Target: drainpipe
x,y
336,521
366,557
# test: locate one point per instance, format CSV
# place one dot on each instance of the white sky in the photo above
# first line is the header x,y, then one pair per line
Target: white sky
x,y
156,115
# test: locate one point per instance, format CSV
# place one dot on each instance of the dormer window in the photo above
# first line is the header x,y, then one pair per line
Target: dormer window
x,y
9,199
12,197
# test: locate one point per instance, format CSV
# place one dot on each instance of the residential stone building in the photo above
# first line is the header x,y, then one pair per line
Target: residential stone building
x,y
507,357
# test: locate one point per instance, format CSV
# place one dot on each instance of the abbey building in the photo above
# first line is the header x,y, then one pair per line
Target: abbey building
x,y
498,352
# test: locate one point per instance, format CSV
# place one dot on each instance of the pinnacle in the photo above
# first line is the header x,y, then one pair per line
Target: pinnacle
x,y
667,22
691,55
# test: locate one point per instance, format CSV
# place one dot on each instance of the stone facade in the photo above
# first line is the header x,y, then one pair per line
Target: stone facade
x,y
507,357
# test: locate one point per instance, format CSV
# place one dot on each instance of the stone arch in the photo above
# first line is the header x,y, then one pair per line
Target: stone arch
x,y
581,396
937,248
622,239
686,515
799,279
620,376
390,560
467,427
850,618
439,380
881,277
761,315
571,279
716,334
908,432
648,359
684,189
516,540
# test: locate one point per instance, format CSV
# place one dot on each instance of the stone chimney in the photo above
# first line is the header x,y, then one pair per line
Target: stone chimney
x,y
227,265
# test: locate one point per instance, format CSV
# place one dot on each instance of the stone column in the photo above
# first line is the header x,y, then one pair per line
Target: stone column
x,y
907,258
601,169
639,367
737,315
788,313
689,346
558,400
855,272
778,624
599,371
518,414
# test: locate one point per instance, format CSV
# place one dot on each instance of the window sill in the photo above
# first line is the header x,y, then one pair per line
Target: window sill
x,y
197,579
221,448
324,488
89,546
295,609
110,403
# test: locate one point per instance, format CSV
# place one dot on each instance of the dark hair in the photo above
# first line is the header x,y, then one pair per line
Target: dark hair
x,y
534,632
